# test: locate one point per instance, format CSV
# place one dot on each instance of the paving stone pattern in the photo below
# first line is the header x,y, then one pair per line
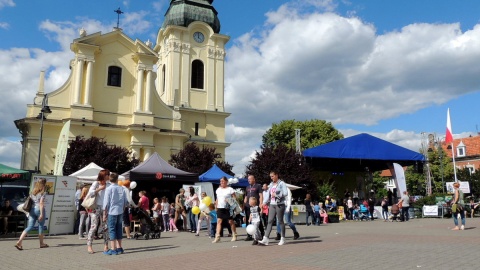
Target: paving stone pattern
x,y
417,244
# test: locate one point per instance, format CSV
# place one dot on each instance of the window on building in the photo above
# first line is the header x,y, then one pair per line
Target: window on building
x,y
461,150
114,76
471,168
196,129
197,74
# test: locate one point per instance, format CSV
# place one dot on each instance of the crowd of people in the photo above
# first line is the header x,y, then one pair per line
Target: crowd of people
x,y
264,206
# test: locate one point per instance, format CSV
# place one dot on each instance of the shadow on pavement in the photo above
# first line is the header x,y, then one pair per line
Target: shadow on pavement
x,y
146,249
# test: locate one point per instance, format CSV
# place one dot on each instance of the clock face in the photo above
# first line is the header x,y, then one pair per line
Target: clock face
x,y
198,37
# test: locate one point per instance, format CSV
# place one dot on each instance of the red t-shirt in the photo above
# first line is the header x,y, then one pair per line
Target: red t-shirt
x,y
144,203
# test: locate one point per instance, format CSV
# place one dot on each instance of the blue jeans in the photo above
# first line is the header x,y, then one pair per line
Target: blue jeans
x,y
317,218
192,220
288,219
33,217
462,216
213,229
114,223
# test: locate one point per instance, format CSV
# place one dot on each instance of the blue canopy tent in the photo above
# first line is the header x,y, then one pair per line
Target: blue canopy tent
x,y
360,153
214,174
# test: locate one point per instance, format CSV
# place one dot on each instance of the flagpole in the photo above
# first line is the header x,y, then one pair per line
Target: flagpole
x,y
454,167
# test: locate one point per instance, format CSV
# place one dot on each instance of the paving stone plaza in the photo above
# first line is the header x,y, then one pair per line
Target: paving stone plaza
x,y
417,244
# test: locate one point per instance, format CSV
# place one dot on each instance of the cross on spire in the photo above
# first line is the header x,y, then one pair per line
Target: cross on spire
x,y
118,11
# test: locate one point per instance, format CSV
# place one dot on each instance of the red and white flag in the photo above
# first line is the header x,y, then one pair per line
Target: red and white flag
x,y
448,135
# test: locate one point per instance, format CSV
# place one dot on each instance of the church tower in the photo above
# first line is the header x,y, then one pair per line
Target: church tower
x,y
135,95
191,56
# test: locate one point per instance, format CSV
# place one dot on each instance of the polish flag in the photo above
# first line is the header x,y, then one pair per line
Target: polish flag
x,y
448,136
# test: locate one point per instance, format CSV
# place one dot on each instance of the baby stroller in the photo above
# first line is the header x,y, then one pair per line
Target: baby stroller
x,y
395,211
364,213
148,228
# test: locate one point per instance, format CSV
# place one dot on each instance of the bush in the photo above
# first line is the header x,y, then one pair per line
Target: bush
x,y
428,200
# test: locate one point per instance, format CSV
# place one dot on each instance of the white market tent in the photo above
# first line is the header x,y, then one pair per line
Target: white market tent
x,y
89,173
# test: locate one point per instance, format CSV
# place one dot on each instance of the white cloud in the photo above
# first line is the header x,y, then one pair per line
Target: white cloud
x,y
4,25
10,152
325,66
6,3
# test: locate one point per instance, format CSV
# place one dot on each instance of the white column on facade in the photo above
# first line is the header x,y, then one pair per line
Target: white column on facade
x,y
147,153
148,91
88,86
139,89
78,82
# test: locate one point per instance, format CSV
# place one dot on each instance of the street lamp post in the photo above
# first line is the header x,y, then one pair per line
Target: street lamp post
x,y
44,110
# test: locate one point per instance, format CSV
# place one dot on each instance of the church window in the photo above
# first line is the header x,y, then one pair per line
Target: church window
x,y
197,74
114,76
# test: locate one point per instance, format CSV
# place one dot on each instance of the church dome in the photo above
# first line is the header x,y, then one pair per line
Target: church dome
x,y
184,12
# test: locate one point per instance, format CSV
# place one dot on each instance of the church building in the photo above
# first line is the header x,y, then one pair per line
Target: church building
x,y
142,96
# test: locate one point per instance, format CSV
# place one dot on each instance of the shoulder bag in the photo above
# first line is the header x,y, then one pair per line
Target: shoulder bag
x,y
27,206
90,203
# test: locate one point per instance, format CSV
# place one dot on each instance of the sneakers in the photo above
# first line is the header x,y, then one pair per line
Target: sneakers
x,y
462,228
278,237
119,251
234,238
282,241
264,241
296,235
110,252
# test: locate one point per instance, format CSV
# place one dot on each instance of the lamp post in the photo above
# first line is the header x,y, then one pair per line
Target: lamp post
x,y
44,110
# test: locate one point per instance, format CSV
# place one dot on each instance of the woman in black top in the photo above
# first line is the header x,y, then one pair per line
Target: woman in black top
x,y
308,209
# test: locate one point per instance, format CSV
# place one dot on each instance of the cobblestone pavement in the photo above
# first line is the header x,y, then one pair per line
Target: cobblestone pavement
x,y
417,244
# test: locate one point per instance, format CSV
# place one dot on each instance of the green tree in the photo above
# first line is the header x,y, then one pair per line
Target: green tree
x,y
416,183
195,160
82,152
290,166
441,169
313,133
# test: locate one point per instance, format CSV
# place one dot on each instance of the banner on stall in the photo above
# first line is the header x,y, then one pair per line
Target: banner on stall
x,y
464,186
430,210
62,217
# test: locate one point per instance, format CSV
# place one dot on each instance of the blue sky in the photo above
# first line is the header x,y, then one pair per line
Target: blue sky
x,y
388,68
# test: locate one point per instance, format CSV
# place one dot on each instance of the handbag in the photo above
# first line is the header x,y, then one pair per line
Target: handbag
x,y
454,208
90,203
27,206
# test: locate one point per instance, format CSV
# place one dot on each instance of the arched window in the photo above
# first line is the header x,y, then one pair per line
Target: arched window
x,y
197,74
114,76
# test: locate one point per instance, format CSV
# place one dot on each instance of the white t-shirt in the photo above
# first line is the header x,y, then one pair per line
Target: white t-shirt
x,y
165,208
222,195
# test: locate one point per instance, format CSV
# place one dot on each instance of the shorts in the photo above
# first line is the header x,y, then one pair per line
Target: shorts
x,y
224,213
126,219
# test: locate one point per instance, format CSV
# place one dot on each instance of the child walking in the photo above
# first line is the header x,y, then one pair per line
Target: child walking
x,y
165,210
254,219
213,219
173,227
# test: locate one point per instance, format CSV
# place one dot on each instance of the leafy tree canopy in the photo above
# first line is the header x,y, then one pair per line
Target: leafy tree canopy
x,y
312,133
289,165
195,160
82,152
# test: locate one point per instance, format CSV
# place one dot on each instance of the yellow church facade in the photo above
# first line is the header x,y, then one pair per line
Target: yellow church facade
x,y
142,96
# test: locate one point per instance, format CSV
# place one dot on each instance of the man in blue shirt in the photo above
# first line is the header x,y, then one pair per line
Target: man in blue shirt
x,y
114,203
